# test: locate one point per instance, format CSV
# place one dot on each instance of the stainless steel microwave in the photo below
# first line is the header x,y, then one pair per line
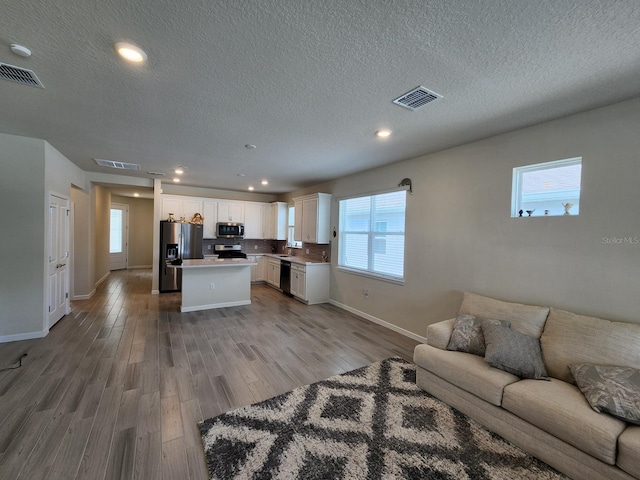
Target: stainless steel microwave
x,y
229,230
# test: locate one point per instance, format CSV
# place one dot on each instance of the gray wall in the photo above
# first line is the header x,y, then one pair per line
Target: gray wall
x,y
460,236
23,198
36,169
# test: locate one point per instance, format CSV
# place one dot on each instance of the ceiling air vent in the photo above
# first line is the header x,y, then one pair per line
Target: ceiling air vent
x,y
417,98
118,165
157,174
19,75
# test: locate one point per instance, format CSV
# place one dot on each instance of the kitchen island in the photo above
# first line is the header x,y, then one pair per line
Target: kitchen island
x,y
215,283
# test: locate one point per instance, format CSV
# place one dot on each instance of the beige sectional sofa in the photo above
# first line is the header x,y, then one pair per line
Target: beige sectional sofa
x,y
551,419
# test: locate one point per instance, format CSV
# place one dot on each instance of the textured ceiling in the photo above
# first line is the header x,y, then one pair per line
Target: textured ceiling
x,y
307,81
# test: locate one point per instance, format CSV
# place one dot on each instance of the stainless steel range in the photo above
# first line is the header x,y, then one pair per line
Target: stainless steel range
x,y
229,251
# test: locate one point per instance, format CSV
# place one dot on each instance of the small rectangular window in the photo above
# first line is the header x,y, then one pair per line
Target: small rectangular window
x,y
371,240
547,189
291,221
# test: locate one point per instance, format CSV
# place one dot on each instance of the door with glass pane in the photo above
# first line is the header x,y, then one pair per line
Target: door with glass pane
x,y
118,237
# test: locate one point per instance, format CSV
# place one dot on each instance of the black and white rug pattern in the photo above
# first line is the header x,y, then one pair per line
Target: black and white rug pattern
x,y
371,423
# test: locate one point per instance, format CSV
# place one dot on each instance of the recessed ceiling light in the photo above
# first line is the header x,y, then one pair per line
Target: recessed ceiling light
x,y
250,146
265,182
179,170
240,174
384,133
176,180
131,52
250,189
136,194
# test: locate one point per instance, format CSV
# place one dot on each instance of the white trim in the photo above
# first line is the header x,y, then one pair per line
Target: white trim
x,y
84,297
367,273
131,267
215,305
371,194
377,320
103,278
23,336
155,292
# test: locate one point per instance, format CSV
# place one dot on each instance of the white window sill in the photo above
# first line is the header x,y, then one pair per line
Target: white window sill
x,y
377,276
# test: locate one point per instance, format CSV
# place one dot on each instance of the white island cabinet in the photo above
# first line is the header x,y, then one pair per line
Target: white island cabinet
x,y
215,283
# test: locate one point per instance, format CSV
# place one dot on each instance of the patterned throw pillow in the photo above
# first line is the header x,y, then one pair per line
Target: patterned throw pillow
x,y
467,334
513,352
615,390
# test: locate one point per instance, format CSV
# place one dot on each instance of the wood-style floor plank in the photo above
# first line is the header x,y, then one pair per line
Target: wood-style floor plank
x,y
118,386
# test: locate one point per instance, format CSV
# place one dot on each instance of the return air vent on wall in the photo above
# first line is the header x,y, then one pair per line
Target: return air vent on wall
x,y
118,165
19,75
417,98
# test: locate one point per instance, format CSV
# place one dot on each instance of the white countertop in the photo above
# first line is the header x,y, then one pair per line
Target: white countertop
x,y
294,259
215,262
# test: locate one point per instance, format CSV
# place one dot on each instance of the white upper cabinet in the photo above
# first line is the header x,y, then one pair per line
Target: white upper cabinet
x,y
180,207
313,216
210,214
191,206
267,229
253,220
231,212
171,206
278,221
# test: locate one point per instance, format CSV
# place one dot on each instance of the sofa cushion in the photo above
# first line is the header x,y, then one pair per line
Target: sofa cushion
x,y
438,334
527,319
629,451
560,409
614,390
569,338
467,371
467,334
512,351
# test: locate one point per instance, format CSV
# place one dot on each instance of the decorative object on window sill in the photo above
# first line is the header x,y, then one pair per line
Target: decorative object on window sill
x,y
567,206
406,182
529,212
546,212
520,212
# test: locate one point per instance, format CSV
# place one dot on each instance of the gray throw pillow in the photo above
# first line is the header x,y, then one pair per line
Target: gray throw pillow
x,y
615,390
467,334
513,352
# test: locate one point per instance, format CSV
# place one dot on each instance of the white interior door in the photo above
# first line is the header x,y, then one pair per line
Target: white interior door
x,y
118,236
58,258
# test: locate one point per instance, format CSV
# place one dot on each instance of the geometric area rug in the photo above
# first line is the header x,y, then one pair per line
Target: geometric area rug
x,y
370,423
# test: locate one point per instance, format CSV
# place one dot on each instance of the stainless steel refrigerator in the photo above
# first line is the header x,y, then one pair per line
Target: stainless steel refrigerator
x,y
178,241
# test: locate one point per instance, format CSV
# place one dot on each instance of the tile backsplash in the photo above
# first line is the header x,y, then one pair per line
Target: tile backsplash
x,y
270,246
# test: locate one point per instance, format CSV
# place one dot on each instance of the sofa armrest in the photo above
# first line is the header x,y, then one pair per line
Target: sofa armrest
x,y
439,334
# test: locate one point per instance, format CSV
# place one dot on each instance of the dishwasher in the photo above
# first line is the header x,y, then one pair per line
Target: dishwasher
x,y
285,277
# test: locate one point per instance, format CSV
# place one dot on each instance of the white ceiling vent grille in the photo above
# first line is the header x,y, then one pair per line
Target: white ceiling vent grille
x,y
19,75
417,98
118,165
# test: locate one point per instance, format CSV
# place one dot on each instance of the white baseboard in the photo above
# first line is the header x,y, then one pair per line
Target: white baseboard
x,y
84,297
377,320
155,292
106,275
131,267
23,336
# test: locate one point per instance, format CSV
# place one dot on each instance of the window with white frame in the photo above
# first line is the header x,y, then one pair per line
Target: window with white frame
x,y
291,222
372,230
547,189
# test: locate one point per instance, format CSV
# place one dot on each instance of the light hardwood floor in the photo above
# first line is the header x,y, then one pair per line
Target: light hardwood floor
x,y
117,387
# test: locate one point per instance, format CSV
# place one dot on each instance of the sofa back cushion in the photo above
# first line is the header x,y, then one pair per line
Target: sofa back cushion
x,y
570,339
527,319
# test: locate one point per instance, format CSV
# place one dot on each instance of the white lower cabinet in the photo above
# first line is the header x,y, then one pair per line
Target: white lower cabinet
x,y
258,272
273,272
310,282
